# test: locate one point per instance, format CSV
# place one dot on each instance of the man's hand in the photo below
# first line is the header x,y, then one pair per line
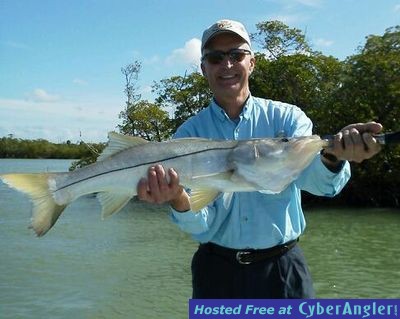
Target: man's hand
x,y
159,188
354,143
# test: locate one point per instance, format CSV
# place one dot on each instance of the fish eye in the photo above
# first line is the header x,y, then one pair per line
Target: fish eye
x,y
284,139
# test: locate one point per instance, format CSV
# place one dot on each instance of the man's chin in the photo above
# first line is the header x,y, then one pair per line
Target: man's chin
x,y
229,88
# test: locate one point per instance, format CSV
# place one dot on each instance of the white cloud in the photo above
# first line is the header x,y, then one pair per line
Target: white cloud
x,y
289,19
152,60
294,11
321,42
16,45
189,54
146,89
79,82
397,8
290,5
310,3
146,93
63,120
41,95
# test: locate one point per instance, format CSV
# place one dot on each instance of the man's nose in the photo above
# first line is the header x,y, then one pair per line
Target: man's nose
x,y
227,61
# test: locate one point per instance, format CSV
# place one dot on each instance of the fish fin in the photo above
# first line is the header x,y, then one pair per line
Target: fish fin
x,y
45,210
270,183
118,142
200,198
112,202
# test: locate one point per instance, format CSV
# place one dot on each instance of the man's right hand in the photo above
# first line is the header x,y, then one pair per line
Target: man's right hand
x,y
159,188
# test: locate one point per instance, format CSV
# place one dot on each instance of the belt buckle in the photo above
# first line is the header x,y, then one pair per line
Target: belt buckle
x,y
239,256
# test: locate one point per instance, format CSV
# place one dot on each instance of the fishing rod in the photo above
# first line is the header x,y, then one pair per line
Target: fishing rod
x,y
383,139
388,138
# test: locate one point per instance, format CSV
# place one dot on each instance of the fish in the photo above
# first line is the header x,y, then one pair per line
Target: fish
x,y
205,167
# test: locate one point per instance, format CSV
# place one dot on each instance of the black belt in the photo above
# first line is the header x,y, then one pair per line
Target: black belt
x,y
249,256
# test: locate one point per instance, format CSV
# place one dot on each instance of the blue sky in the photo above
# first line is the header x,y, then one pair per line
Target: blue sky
x,y
60,60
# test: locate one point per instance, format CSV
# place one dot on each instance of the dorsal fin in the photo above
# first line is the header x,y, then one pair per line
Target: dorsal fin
x,y
118,142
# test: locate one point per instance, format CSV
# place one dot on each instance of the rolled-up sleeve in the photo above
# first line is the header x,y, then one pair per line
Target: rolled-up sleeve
x,y
317,179
194,222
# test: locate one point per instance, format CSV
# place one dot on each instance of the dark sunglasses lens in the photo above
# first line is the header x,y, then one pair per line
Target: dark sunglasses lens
x,y
238,56
215,57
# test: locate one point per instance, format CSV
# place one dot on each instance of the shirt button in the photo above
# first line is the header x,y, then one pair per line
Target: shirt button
x,y
245,219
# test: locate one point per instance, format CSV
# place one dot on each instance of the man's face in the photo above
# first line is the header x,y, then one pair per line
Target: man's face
x,y
229,78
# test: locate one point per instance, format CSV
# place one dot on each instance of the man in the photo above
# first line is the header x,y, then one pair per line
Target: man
x,y
248,240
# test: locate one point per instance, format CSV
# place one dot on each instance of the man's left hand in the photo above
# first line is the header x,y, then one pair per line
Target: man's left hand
x,y
355,142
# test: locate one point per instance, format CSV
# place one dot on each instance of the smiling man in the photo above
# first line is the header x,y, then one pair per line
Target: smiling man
x,y
248,241
227,62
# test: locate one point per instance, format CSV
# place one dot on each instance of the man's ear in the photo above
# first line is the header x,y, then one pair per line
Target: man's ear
x,y
252,64
203,69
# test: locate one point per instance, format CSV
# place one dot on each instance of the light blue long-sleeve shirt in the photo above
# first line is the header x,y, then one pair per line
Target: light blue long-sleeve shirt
x,y
253,219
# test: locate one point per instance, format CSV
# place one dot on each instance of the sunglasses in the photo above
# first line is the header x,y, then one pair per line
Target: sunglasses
x,y
216,57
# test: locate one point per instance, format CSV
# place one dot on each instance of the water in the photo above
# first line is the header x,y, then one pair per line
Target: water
x,y
136,264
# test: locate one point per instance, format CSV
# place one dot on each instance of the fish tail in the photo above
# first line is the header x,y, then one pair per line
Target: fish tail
x,y
45,210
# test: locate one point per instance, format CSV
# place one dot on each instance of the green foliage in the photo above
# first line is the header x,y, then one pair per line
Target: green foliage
x,y
279,40
290,71
305,81
89,157
17,148
147,120
184,96
370,90
371,81
131,75
84,161
140,117
364,87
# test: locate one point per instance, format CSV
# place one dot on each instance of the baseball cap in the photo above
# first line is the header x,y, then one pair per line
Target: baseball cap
x,y
225,26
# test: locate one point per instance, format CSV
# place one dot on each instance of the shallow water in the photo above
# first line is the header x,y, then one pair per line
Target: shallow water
x,y
136,264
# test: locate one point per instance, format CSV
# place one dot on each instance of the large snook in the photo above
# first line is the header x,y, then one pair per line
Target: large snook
x,y
206,167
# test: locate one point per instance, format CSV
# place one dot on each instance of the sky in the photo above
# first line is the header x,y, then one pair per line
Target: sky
x,y
60,61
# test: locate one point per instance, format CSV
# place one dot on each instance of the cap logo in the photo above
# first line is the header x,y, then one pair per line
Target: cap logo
x,y
224,24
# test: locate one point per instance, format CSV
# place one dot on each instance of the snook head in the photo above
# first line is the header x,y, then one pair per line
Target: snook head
x,y
274,161
270,151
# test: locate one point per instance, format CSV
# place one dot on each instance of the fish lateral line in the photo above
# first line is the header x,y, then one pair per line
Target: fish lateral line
x,y
143,164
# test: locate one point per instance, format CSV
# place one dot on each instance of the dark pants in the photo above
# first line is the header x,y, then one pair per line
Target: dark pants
x,y
217,277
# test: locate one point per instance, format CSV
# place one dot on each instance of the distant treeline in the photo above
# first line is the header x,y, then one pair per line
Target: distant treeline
x,y
11,147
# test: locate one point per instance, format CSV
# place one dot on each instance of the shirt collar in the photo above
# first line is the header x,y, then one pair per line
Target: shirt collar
x,y
221,114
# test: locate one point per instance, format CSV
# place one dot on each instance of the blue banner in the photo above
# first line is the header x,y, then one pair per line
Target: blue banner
x,y
294,308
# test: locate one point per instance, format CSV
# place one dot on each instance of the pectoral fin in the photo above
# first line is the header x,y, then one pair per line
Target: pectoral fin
x,y
200,198
112,202
268,181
